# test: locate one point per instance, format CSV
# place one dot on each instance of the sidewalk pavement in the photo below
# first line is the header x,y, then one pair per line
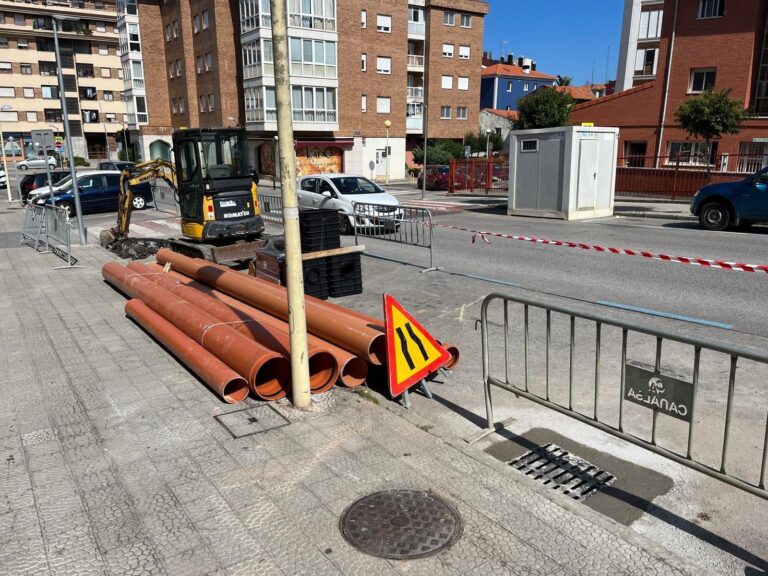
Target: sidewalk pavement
x,y
115,460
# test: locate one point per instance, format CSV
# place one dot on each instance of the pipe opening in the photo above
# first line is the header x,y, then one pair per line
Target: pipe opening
x,y
235,391
323,371
455,356
354,372
272,379
377,350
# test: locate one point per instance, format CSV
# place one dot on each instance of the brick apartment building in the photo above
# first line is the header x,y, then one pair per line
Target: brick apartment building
x,y
354,64
703,43
90,63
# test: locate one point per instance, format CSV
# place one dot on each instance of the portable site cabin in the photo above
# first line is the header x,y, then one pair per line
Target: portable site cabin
x,y
567,172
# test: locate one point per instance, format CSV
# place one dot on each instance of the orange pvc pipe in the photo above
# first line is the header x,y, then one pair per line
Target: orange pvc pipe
x,y
453,350
267,373
323,368
227,383
348,332
353,370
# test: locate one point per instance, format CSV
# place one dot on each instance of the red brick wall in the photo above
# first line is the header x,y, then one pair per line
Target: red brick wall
x,y
155,71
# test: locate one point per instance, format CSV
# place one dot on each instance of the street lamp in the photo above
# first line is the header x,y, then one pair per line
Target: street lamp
x,y
387,125
488,133
5,108
57,19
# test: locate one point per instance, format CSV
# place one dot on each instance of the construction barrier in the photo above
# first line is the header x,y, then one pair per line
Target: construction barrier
x,y
165,198
33,229
271,208
47,229
400,224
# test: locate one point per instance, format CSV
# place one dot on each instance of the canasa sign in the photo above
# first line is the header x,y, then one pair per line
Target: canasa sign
x,y
659,392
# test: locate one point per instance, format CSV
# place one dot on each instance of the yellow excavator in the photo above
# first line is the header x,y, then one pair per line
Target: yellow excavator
x,y
216,192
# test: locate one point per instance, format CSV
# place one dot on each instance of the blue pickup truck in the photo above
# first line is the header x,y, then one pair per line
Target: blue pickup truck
x,y
733,204
98,193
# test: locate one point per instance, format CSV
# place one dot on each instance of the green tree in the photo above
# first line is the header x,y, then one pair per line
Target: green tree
x,y
564,80
545,108
709,116
439,152
477,141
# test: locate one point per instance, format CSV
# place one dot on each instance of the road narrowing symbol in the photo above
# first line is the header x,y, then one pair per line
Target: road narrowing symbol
x,y
412,352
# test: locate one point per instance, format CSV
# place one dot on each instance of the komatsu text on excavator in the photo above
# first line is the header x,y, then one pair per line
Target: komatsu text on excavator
x,y
217,198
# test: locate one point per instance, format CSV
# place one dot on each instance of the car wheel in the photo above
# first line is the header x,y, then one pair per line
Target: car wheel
x,y
23,167
68,207
715,216
345,226
139,203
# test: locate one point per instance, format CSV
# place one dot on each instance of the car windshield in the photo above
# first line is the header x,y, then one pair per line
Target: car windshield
x,y
355,185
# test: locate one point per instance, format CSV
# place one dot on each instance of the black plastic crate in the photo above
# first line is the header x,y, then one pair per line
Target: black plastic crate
x,y
316,278
269,264
345,275
319,229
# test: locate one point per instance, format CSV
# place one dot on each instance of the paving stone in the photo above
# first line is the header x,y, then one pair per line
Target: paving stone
x,y
136,559
197,561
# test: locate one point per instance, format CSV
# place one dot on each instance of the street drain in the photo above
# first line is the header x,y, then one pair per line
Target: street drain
x,y
562,471
10,240
401,524
250,421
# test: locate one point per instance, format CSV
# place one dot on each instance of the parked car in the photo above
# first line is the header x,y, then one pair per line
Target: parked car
x,y
98,193
438,178
341,191
38,162
39,181
730,204
113,165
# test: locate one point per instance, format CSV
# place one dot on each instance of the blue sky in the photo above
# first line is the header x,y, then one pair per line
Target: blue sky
x,y
564,37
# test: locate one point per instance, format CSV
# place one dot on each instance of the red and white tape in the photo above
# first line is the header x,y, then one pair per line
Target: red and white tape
x,y
704,262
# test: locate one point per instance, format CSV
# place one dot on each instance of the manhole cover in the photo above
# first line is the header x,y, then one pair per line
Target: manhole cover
x,y
401,524
563,471
252,420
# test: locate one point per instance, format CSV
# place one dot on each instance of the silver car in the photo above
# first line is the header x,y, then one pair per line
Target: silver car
x,y
38,162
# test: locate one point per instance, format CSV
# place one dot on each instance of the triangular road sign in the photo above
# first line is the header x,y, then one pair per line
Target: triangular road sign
x,y
412,352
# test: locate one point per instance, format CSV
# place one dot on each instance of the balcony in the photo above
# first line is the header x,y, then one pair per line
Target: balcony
x,y
140,118
416,29
414,125
415,93
416,61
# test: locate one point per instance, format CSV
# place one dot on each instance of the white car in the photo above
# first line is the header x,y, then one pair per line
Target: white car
x,y
342,191
38,162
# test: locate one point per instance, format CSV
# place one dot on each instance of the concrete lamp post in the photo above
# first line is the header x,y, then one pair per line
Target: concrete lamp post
x,y
387,126
6,108
488,133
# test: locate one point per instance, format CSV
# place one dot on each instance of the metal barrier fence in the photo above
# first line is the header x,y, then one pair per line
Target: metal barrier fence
x,y
33,229
271,208
58,233
620,406
165,198
479,176
401,224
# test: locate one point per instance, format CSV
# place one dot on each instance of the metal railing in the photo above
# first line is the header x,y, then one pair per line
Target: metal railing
x,y
400,224
47,229
165,198
479,176
649,386
416,60
33,229
271,208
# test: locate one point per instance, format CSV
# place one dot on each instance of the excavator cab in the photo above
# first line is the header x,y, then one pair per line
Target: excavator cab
x,y
214,178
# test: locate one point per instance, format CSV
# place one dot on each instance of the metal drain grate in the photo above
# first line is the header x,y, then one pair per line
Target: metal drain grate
x,y
252,420
401,524
10,240
563,471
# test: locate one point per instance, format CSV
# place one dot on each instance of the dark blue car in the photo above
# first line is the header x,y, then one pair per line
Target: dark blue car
x,y
733,204
98,193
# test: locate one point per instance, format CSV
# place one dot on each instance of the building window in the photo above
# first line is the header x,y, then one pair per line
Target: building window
x,y
363,18
29,92
134,42
313,104
208,62
3,42
525,86
178,67
203,101
383,65
199,61
461,112
711,8
31,116
5,68
204,19
108,96
464,52
101,27
445,112
173,105
211,103
446,82
26,68
449,18
2,17
319,14
106,73
509,86
364,103
52,115
19,19
195,24
181,104
103,50
691,153
448,50
175,28
650,24
7,92
364,62
529,146
167,32
313,57
466,21
110,117
383,105
646,61
383,23
462,83
9,116
701,80
171,70
22,44
50,92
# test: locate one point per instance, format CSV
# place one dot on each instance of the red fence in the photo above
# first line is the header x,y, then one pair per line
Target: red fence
x,y
479,176
679,177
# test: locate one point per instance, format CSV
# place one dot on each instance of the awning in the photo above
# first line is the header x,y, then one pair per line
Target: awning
x,y
343,143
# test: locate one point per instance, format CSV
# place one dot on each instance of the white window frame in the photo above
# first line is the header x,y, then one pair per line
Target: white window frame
x,y
175,28
22,44
384,23
199,63
178,68
364,18
449,18
211,102
29,92
446,82
202,102
510,85
32,116
462,113
448,50
196,24
103,50
696,155
383,105
525,87
173,105
468,18
383,65
650,24
181,104
534,148
167,32
204,22
364,62
7,92
464,52
704,72
105,72
364,103
445,112
171,69
208,62
462,83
